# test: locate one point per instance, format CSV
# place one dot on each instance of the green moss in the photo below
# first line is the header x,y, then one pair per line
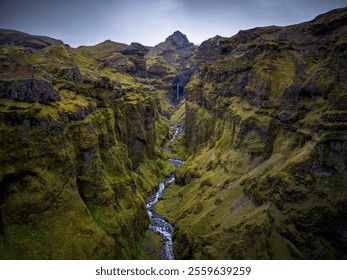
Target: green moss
x,y
264,156
85,156
151,246
178,117
158,66
253,128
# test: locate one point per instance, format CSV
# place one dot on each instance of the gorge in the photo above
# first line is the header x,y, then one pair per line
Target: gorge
x,y
258,122
158,224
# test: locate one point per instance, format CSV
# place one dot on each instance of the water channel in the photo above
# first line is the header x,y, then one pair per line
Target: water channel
x,y
157,223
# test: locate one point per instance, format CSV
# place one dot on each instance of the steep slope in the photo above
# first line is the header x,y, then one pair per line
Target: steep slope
x,y
173,61
82,134
266,129
80,149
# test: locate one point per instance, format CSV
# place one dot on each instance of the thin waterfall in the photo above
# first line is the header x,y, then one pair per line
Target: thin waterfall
x,y
178,91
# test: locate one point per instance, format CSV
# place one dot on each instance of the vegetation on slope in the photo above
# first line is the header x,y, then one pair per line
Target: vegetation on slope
x,y
81,138
83,143
266,132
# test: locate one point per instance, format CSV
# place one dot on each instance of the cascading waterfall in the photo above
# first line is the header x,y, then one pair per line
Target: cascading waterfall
x,y
176,132
157,223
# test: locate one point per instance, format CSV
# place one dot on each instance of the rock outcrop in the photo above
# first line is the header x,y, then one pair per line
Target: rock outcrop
x,y
173,61
28,90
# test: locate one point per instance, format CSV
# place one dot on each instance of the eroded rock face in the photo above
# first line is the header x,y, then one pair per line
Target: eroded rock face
x,y
173,61
76,126
179,40
81,132
72,74
28,90
267,176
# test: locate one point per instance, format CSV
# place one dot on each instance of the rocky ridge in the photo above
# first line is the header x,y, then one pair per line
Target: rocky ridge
x,y
173,60
12,38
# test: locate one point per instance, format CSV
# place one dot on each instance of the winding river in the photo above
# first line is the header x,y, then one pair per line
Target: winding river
x,y
157,223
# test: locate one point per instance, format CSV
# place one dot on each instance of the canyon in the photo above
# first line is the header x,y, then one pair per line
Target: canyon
x,y
258,122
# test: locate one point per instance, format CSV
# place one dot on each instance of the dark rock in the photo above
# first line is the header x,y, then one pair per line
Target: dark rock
x,y
135,49
72,74
28,90
326,27
210,49
179,40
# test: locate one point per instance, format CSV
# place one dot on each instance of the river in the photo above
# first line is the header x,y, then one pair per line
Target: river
x,y
157,223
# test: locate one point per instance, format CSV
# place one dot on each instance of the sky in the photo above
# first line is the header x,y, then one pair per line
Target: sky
x,y
149,22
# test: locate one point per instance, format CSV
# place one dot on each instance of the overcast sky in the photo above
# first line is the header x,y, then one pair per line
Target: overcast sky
x,y
88,22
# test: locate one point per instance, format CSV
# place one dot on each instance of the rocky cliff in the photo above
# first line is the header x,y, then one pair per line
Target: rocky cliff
x,y
174,62
266,130
81,133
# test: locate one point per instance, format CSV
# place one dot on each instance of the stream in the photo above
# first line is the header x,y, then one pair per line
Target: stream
x,y
157,223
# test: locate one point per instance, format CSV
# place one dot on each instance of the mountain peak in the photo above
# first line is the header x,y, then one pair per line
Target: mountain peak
x,y
178,39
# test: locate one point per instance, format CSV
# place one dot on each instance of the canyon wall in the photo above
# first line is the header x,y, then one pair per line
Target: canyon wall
x,y
80,133
266,133
264,136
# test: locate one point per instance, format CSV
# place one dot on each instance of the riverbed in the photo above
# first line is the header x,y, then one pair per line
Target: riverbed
x,y
157,223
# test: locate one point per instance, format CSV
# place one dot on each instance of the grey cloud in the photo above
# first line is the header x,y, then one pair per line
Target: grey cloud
x,y
149,22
